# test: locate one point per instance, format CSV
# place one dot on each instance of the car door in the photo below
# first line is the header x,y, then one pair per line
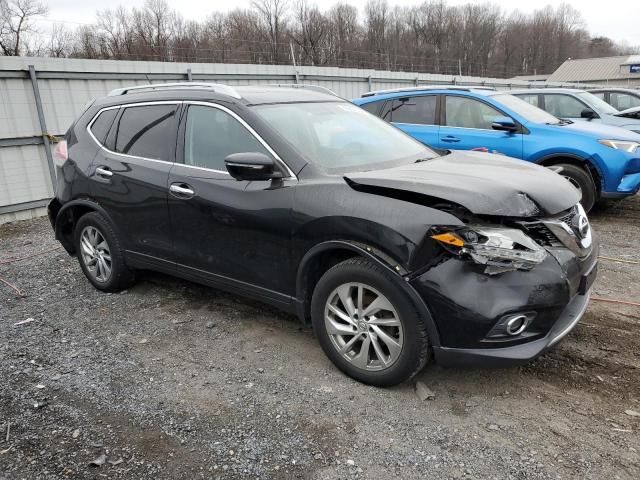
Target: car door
x,y
467,125
129,177
227,232
566,106
415,115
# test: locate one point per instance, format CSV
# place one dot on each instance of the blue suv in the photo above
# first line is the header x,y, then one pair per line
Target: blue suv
x,y
600,161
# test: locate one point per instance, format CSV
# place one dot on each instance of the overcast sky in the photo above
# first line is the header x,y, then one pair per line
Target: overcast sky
x,y
617,19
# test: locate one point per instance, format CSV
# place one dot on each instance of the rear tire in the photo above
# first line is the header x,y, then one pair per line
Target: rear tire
x,y
101,255
581,179
368,325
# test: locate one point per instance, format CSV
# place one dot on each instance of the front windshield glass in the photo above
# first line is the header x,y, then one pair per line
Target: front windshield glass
x,y
341,137
525,109
598,104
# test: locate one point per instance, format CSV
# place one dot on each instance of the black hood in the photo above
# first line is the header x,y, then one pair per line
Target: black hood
x,y
484,184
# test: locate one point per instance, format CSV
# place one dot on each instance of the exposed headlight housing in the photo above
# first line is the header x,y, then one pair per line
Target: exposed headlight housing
x,y
500,249
624,145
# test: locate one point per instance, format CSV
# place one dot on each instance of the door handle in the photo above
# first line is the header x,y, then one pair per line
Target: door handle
x,y
181,190
104,172
450,139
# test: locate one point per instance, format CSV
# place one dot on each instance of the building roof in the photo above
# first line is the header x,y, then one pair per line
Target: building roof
x,y
596,69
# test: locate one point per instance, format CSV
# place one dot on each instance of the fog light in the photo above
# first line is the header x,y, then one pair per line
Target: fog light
x,y
511,325
516,325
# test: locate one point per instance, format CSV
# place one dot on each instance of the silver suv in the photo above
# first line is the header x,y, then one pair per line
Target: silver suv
x,y
577,105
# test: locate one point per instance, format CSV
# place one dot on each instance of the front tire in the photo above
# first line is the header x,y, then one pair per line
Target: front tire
x,y
368,325
582,181
100,254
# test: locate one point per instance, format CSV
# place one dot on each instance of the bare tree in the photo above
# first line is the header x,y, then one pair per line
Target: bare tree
x,y
273,18
60,42
17,21
309,32
434,37
376,18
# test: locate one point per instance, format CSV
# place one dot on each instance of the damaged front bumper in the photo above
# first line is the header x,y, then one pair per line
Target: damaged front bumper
x,y
469,307
517,354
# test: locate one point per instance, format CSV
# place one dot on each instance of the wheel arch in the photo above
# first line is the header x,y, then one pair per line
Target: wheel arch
x,y
67,217
576,160
325,255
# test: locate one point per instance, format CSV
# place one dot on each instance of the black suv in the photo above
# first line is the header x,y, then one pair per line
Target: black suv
x,y
300,199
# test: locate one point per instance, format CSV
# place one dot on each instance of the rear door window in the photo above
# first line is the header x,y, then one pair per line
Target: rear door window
x,y
419,110
530,98
563,106
622,101
147,131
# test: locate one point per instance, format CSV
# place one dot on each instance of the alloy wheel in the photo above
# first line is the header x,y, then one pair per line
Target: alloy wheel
x,y
96,254
363,326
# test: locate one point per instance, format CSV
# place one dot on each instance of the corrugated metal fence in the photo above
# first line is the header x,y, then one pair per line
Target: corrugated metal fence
x,y
40,98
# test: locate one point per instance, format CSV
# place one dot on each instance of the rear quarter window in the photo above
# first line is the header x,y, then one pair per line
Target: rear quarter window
x,y
373,107
102,124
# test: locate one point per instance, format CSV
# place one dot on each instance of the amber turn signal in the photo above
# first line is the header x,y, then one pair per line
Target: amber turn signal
x,y
449,239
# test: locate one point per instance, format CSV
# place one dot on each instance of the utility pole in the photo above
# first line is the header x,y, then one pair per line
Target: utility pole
x,y
293,60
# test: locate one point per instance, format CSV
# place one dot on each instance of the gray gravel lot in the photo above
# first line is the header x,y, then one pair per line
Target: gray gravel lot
x,y
174,380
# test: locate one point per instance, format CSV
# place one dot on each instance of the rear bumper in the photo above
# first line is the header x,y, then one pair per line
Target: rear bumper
x,y
517,354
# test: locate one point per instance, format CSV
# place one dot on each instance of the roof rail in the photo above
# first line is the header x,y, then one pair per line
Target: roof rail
x,y
464,88
216,87
315,88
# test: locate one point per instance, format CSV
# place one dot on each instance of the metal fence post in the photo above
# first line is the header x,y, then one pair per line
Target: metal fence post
x,y
189,75
370,83
43,125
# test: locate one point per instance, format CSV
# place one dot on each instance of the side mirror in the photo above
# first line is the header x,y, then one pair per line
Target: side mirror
x,y
504,124
251,166
588,113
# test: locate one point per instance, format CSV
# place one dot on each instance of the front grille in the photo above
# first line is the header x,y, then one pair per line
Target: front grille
x,y
568,217
541,232
542,235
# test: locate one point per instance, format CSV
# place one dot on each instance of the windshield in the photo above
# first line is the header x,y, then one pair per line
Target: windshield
x,y
596,103
342,137
525,109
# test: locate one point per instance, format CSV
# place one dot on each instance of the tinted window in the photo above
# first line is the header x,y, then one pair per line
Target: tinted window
x,y
532,99
622,101
420,110
563,106
469,113
100,127
212,134
372,107
147,131
600,95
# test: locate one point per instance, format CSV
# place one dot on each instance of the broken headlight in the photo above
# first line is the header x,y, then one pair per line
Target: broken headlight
x,y
500,249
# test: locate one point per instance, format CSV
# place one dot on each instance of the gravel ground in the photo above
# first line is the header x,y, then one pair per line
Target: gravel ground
x,y
174,380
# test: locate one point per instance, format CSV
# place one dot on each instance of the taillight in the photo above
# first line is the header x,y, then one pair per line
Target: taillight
x,y
60,153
